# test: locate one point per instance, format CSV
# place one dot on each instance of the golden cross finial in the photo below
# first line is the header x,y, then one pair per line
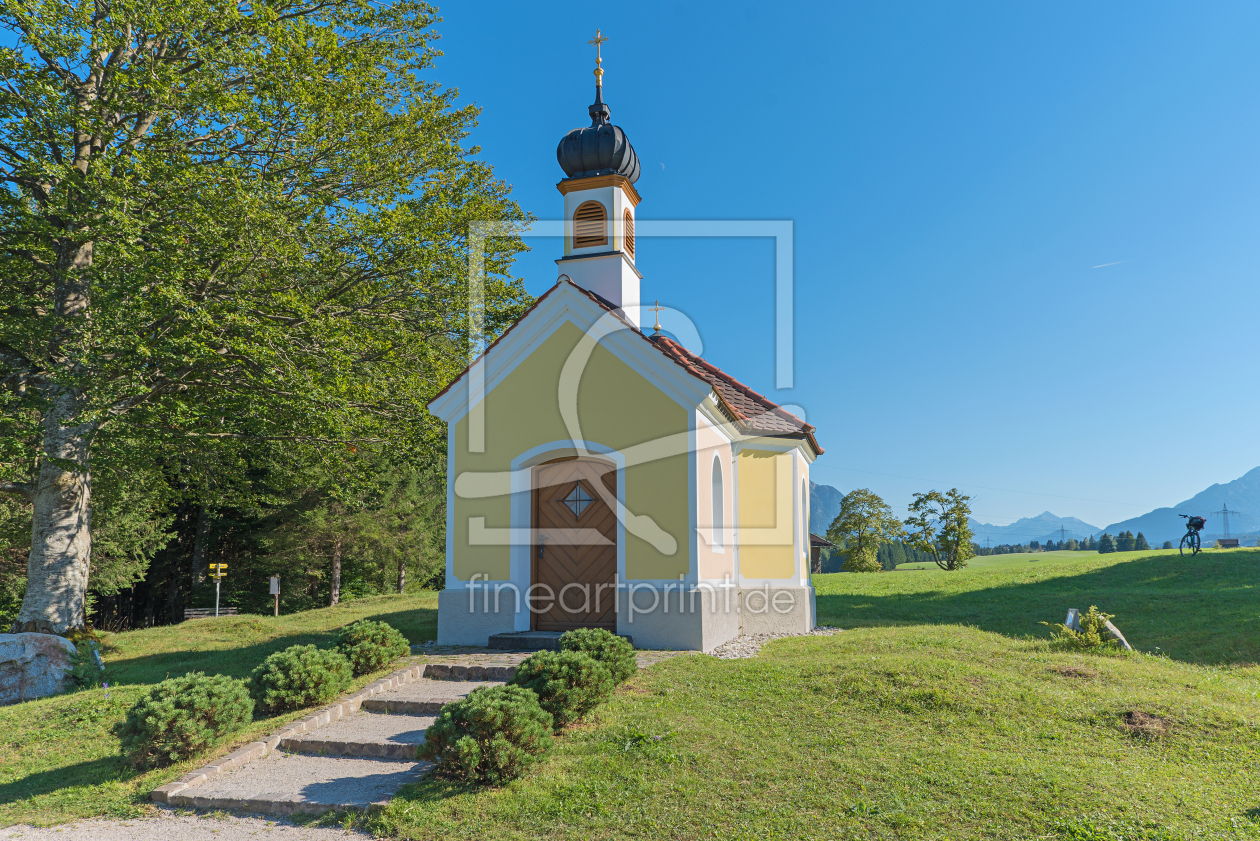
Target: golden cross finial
x,y
657,309
597,42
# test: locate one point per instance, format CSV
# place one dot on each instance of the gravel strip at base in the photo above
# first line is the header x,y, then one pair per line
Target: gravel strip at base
x,y
299,778
749,645
170,825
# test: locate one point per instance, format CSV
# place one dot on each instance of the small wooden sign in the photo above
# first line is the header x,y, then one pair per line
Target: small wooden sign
x,y
275,585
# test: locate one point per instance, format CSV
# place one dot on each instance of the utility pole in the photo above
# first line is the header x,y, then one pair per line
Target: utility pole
x,y
1225,512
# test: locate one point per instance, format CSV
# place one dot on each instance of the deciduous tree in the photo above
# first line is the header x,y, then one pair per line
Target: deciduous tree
x,y
224,222
864,523
939,524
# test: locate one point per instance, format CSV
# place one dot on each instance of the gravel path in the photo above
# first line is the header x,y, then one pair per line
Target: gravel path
x,y
297,778
171,825
374,727
424,689
749,645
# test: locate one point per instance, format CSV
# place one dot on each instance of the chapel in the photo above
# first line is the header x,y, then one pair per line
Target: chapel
x,y
599,473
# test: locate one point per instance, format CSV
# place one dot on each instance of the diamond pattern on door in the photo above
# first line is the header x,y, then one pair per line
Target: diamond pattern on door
x,y
577,500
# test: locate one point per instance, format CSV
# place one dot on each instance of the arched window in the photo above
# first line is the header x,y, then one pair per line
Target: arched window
x,y
628,234
718,506
805,519
590,225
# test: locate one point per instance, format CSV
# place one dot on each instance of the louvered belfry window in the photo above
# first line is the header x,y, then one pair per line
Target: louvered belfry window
x,y
628,234
590,225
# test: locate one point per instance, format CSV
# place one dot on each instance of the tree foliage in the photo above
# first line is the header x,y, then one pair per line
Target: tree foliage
x,y
864,523
939,525
224,226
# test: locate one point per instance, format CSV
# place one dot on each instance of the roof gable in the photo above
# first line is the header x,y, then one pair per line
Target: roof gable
x,y
751,412
565,302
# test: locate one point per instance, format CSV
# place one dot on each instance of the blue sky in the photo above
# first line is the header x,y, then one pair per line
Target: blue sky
x,y
1026,234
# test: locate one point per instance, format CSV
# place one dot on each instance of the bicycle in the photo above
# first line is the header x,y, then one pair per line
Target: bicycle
x,y
1190,540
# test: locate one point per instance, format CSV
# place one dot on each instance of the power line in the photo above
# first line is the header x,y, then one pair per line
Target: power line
x,y
970,485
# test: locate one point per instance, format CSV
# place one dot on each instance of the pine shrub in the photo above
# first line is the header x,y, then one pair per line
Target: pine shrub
x,y
183,716
370,646
569,684
299,676
489,737
1093,635
613,651
87,669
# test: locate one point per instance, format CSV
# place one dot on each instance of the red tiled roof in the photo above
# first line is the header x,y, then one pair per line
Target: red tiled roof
x,y
752,413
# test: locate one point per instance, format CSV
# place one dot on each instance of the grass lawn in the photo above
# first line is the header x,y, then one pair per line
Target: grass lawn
x,y
1018,559
58,758
1204,609
941,712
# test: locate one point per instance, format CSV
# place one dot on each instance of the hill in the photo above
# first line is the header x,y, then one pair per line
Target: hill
x,y
1241,495
942,711
1045,526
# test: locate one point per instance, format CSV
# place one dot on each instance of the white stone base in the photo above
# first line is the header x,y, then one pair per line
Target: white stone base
x,y
463,623
696,619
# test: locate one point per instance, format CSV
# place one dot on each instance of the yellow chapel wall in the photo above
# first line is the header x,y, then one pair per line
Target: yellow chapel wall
x,y
766,522
711,561
617,407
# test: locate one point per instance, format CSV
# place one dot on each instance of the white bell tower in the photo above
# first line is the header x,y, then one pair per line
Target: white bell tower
x,y
600,204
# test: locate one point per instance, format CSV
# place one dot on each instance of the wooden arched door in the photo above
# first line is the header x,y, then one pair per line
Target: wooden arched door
x,y
575,549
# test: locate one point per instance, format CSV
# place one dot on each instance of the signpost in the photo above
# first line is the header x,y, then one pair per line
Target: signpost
x,y
275,591
217,571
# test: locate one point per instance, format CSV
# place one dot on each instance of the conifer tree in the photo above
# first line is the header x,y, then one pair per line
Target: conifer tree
x,y
1106,544
1140,543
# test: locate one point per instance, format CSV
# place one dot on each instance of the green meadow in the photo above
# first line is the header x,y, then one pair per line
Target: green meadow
x,y
59,757
942,711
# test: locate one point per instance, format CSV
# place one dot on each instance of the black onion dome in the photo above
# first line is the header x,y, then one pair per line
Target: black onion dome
x,y
599,149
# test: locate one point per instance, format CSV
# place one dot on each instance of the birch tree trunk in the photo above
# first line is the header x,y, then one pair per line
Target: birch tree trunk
x,y
335,590
200,547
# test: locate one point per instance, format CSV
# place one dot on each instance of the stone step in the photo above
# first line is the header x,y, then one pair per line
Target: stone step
x,y
469,671
422,697
290,783
378,735
531,641
403,706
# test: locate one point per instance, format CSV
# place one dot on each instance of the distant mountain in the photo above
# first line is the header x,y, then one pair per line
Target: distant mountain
x,y
1241,495
824,505
1045,526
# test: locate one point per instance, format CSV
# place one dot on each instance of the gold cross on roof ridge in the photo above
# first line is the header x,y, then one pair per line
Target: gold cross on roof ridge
x,y
657,309
598,42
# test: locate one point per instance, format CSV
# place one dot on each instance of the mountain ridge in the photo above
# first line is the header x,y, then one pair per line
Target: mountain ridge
x,y
1242,495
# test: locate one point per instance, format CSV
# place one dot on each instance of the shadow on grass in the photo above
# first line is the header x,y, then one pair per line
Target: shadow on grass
x,y
107,769
417,624
1205,610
